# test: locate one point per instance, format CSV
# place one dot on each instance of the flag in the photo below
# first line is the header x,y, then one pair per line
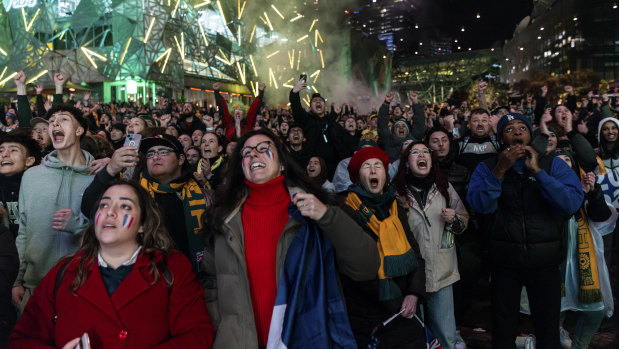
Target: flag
x,y
309,312
431,340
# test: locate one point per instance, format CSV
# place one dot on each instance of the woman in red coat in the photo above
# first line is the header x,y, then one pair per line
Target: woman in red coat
x,y
125,287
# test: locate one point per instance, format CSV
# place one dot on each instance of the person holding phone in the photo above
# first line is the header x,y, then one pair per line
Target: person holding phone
x,y
162,169
124,287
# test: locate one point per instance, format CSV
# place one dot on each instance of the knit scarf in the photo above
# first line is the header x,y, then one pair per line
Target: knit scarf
x,y
587,266
397,258
194,205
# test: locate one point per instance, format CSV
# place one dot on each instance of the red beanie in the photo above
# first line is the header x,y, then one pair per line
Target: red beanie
x,y
361,156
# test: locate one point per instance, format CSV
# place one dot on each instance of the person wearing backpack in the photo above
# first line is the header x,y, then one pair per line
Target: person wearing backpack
x,y
125,287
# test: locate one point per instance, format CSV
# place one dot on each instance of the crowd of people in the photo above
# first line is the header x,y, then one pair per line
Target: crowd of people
x,y
177,225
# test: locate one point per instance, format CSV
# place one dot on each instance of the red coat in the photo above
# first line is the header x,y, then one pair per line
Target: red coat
x,y
138,315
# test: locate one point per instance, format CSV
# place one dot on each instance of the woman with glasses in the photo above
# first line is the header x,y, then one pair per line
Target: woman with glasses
x,y
125,287
435,214
273,240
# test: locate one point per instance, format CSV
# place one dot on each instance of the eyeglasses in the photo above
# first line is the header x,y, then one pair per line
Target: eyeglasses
x,y
417,152
260,148
161,152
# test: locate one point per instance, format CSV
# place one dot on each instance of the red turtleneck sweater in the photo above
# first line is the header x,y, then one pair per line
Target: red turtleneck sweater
x,y
264,216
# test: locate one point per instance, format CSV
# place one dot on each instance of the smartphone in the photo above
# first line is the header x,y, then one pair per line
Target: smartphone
x,y
456,132
133,140
304,77
84,342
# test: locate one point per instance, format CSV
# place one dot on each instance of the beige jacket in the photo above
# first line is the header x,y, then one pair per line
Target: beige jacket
x,y
427,226
228,295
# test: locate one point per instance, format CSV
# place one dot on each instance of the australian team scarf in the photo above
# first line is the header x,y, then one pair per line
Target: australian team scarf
x,y
194,205
589,278
397,258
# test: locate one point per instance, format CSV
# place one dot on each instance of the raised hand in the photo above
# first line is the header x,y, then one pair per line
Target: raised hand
x,y
389,97
301,85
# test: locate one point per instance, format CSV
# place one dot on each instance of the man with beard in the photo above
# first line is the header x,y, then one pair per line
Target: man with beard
x,y
189,122
531,198
297,146
212,163
392,140
167,178
318,126
479,145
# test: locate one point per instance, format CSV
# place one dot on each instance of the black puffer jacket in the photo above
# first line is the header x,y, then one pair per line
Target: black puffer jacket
x,y
527,232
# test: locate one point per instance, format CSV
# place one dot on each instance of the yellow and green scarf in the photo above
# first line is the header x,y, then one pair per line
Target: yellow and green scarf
x,y
587,263
397,258
194,205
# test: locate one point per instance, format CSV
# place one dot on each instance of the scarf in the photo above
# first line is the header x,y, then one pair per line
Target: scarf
x,y
397,258
194,205
587,266
309,312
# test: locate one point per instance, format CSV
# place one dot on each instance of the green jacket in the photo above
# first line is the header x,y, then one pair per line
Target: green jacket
x,y
227,291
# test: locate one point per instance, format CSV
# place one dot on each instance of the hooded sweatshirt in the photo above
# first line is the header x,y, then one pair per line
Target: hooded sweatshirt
x,y
610,160
45,189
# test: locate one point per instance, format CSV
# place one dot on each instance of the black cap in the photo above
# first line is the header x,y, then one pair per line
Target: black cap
x,y
161,139
317,95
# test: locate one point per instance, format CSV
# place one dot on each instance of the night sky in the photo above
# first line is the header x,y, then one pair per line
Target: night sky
x,y
445,18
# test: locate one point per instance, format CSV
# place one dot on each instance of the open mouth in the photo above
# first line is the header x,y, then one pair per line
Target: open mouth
x,y
257,165
6,162
374,183
480,128
518,141
422,164
58,136
109,226
311,170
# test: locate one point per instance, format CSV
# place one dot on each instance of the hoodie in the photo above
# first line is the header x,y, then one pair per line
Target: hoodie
x,y
610,159
45,189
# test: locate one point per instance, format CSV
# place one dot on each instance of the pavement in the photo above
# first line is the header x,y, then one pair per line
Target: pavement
x,y
478,318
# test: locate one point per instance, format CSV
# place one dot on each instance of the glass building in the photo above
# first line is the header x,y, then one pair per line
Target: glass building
x,y
132,49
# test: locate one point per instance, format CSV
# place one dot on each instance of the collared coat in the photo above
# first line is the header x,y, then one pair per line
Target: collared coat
x,y
228,292
139,314
427,226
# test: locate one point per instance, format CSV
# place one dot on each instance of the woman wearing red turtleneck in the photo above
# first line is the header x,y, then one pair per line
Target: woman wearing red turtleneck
x,y
249,230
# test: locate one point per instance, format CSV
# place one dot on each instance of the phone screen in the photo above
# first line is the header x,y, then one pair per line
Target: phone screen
x,y
304,77
133,140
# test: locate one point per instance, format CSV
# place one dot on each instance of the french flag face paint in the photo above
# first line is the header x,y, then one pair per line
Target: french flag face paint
x,y
97,216
269,154
127,221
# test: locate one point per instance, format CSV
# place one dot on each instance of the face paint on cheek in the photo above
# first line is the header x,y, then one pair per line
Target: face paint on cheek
x,y
127,221
269,154
97,216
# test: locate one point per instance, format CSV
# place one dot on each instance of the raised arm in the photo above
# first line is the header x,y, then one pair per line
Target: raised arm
x,y
23,106
253,108
300,115
59,82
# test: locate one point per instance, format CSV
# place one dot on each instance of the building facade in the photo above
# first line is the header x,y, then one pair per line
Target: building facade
x,y
562,36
